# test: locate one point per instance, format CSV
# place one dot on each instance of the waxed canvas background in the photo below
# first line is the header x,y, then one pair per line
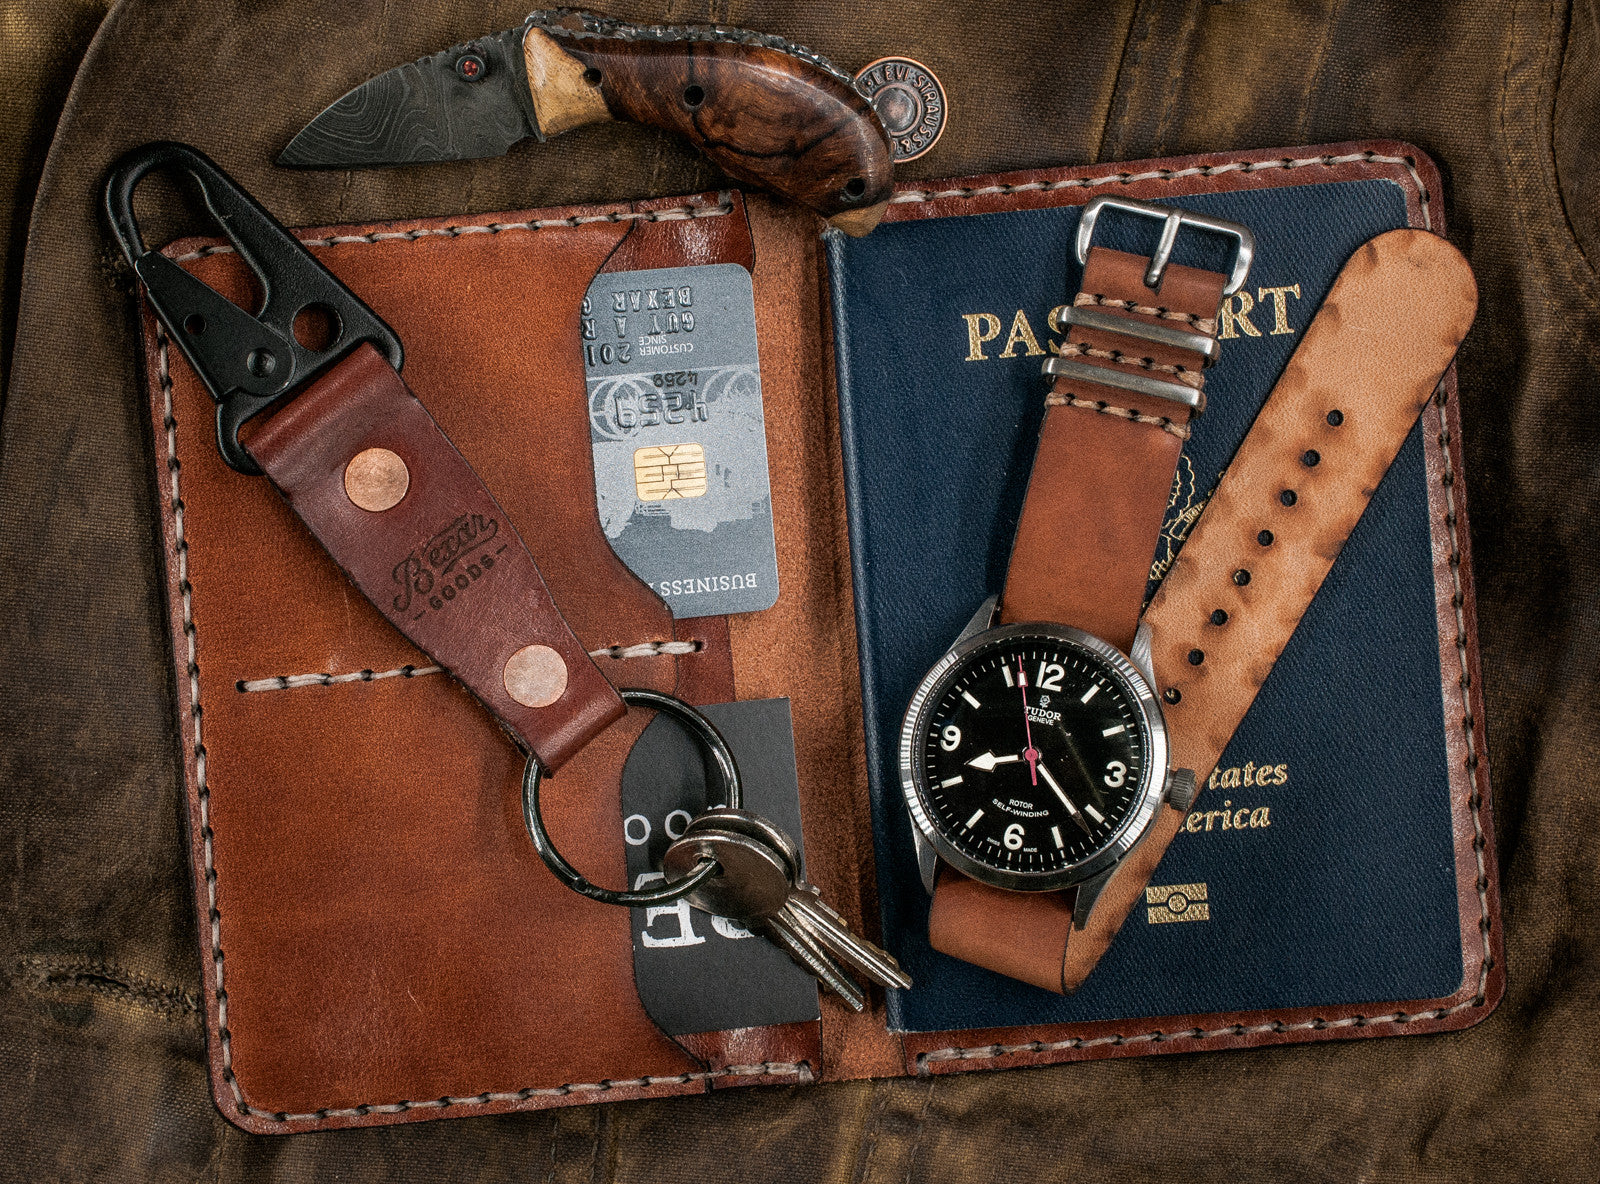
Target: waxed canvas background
x,y
101,1043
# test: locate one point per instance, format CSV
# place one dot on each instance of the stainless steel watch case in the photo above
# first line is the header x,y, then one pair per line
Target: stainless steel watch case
x,y
1159,783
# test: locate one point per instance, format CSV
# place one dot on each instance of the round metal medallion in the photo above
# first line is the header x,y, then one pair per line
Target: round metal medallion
x,y
910,101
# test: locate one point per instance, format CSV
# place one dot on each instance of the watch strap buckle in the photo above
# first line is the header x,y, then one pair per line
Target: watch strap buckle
x,y
1172,221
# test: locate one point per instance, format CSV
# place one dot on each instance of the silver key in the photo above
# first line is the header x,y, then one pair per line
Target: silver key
x,y
805,905
833,932
761,886
752,888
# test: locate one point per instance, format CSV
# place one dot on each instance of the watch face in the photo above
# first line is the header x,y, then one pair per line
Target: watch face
x,y
1035,755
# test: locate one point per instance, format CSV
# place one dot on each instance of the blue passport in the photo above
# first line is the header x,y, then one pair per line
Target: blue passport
x,y
1319,867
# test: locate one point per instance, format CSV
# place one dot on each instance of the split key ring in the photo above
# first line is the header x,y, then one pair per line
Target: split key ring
x,y
711,741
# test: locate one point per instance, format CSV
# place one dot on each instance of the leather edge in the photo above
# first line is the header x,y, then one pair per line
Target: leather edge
x,y
1206,172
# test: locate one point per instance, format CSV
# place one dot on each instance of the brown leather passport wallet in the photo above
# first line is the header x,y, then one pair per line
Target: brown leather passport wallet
x,y
381,942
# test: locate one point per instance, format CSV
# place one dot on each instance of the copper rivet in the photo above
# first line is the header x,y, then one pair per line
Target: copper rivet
x,y
376,479
535,676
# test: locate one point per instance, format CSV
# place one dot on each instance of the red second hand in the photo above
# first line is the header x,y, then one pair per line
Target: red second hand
x,y
1030,753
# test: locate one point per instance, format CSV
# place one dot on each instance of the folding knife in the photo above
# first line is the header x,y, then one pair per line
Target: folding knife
x,y
765,111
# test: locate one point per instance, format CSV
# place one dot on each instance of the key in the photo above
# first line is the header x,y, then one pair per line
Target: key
x,y
753,889
761,886
832,931
805,905
827,927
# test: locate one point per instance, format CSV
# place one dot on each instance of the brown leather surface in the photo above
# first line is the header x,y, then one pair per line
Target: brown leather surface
x,y
446,535
103,1058
804,646
1101,480
1020,934
364,839
1370,359
238,538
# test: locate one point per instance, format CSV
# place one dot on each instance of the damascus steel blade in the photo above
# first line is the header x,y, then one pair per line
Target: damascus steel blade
x,y
469,101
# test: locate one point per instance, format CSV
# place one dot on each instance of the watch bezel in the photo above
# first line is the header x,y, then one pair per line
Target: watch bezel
x,y
1153,778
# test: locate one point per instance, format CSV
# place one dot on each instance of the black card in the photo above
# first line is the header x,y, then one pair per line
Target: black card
x,y
696,972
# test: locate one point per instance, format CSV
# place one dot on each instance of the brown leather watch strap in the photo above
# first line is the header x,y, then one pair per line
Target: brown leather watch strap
x,y
1031,935
1103,470
1102,476
364,465
1315,455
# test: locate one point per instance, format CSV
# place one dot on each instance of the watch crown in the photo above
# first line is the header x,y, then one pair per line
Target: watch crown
x,y
1181,789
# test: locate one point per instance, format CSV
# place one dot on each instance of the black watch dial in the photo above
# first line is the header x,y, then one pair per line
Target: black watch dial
x,y
1030,754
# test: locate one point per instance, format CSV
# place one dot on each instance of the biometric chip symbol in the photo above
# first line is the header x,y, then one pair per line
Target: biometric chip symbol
x,y
1177,902
672,471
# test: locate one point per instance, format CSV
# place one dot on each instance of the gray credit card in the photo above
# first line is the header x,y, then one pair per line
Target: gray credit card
x,y
679,438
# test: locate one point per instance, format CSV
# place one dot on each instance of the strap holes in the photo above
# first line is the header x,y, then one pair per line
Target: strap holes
x,y
1335,418
854,188
1311,459
194,324
592,76
1287,497
1241,577
1219,617
693,96
1264,538
1172,694
1196,657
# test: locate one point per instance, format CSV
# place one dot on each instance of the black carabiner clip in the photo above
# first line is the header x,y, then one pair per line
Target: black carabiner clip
x,y
248,362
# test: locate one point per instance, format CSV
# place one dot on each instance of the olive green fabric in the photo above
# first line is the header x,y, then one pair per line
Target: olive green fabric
x,y
101,1043
40,47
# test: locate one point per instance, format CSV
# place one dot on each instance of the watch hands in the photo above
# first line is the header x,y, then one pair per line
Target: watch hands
x,y
988,761
1030,753
1077,816
1077,759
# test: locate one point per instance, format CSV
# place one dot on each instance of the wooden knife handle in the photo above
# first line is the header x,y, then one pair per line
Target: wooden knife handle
x,y
766,116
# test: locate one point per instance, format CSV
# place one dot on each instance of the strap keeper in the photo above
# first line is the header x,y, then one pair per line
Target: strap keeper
x,y
1138,383
1109,322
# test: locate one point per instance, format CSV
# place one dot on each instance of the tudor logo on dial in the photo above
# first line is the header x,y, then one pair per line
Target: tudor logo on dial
x,y
1032,754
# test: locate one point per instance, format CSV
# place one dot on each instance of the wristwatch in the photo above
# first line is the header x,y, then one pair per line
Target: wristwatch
x,y
1034,754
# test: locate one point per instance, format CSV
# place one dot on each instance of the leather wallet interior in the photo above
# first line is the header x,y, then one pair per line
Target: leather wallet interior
x,y
381,941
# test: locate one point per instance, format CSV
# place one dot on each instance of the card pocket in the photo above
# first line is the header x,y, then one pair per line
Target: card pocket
x,y
380,939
